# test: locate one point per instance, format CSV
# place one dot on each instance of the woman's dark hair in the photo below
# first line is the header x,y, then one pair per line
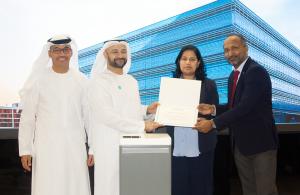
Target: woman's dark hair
x,y
200,71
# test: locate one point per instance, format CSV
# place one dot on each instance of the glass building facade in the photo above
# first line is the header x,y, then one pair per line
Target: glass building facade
x,y
155,47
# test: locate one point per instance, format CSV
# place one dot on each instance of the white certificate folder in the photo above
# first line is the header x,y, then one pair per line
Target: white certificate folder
x,y
178,99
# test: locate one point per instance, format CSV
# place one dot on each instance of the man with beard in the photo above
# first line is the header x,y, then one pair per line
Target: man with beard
x,y
115,108
52,128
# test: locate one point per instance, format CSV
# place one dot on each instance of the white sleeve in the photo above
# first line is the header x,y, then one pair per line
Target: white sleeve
x,y
144,110
28,122
100,112
215,111
86,118
147,117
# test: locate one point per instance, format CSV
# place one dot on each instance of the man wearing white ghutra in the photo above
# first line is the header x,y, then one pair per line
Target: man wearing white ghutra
x,y
115,108
52,132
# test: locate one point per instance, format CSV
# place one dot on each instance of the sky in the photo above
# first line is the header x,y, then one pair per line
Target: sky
x,y
27,25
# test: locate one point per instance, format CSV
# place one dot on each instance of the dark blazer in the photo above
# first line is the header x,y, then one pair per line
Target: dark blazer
x,y
209,95
250,120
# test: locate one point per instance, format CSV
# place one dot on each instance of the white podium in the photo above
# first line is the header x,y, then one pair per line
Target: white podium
x,y
145,164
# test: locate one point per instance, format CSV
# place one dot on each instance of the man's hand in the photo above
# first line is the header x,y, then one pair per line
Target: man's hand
x,y
206,109
26,162
151,109
150,126
203,125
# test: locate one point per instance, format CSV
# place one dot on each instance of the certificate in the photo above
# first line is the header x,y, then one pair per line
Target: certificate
x,y
178,101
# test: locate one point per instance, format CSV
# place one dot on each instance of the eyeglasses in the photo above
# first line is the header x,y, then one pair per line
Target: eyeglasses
x,y
65,50
189,59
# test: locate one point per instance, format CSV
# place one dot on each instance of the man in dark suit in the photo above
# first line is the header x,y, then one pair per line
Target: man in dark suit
x,y
248,114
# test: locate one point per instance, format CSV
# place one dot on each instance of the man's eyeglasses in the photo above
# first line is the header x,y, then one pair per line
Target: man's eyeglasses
x,y
65,50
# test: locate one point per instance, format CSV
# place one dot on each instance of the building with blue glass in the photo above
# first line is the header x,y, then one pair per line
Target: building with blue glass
x,y
155,47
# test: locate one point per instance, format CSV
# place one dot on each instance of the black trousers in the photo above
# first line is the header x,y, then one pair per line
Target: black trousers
x,y
193,175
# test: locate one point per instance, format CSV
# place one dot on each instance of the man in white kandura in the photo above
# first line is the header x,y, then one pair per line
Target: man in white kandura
x,y
115,108
52,132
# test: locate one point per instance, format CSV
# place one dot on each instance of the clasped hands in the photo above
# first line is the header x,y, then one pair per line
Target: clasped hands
x,y
203,125
150,126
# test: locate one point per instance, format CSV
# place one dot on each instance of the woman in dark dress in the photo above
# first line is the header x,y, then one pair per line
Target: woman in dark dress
x,y
193,151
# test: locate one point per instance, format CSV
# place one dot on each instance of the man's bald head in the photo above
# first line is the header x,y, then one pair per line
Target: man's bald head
x,y
235,49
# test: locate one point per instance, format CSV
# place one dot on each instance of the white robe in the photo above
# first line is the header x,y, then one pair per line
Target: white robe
x,y
115,108
52,130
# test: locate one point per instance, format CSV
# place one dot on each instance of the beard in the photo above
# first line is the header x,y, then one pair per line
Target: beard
x,y
117,62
